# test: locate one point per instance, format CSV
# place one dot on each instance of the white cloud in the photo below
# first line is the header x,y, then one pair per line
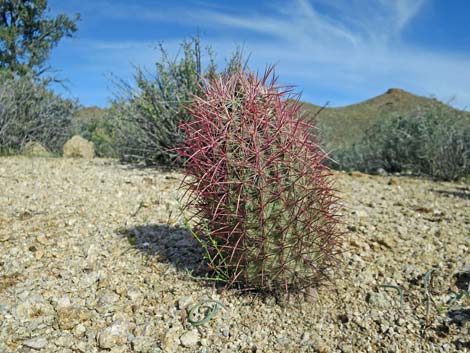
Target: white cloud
x,y
405,10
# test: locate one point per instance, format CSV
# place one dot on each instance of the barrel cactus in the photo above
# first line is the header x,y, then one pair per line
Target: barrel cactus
x,y
263,204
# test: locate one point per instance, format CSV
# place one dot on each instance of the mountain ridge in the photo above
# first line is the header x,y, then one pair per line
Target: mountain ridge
x,y
345,125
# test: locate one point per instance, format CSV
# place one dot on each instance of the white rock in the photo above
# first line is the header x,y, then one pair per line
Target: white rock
x,y
63,302
33,307
184,302
143,344
171,341
189,339
81,346
114,335
79,330
36,343
135,295
109,298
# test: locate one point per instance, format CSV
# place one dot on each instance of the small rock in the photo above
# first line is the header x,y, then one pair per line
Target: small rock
x,y
92,255
225,331
39,255
346,348
381,172
79,330
114,335
4,238
282,340
393,182
352,228
63,302
121,289
70,316
135,295
81,347
189,339
90,279
379,299
143,344
35,149
184,302
171,341
360,213
42,239
356,174
34,307
77,146
269,300
386,241
64,341
36,343
109,298
311,295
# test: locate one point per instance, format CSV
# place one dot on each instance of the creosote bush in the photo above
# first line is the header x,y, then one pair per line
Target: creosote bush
x,y
146,114
435,143
29,112
263,204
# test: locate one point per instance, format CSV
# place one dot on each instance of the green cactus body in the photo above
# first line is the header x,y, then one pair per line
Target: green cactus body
x,y
263,199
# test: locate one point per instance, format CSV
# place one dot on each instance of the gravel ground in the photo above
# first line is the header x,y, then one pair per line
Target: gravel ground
x,y
92,259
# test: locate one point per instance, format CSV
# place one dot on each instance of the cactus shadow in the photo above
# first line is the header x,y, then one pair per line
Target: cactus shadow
x,y
168,244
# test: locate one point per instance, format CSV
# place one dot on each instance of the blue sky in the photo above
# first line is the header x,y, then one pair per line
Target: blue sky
x,y
336,51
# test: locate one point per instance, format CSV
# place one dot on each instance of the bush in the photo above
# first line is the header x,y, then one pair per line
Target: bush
x,y
29,112
147,118
262,200
435,143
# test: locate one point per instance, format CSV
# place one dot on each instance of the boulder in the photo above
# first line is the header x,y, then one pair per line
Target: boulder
x,y
78,147
35,149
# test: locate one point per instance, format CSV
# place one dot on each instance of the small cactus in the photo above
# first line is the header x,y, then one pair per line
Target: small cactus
x,y
264,207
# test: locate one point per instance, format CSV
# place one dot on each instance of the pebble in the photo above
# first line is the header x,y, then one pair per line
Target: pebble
x,y
190,338
79,330
114,335
184,302
36,343
144,344
69,317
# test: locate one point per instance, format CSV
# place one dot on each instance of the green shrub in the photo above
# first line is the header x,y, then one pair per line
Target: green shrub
x,y
435,143
29,112
146,117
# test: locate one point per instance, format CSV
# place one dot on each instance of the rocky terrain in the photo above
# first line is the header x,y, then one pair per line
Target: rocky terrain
x,y
94,258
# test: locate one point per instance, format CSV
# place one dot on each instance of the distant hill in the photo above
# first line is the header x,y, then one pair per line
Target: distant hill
x,y
343,126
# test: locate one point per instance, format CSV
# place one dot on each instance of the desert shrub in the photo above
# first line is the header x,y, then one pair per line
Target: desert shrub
x,y
264,209
435,143
146,115
29,112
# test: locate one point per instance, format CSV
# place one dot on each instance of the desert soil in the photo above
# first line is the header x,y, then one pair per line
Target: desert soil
x,y
94,258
